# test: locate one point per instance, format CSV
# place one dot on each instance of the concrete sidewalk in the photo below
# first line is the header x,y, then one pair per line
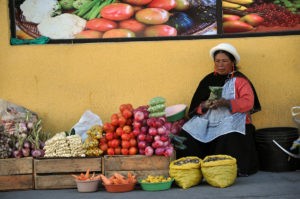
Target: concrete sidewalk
x,y
266,185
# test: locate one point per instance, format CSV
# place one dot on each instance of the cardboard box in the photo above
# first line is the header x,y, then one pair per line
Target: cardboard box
x,y
56,173
16,173
139,165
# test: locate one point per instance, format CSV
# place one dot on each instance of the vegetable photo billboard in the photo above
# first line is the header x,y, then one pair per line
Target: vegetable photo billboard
x,y
81,21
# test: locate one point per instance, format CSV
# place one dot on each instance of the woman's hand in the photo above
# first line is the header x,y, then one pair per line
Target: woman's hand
x,y
220,103
212,104
204,106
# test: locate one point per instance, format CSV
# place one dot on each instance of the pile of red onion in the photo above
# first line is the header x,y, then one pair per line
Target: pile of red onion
x,y
153,133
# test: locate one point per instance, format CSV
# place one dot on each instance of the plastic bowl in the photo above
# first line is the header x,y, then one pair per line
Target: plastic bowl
x,y
175,112
87,186
158,186
119,187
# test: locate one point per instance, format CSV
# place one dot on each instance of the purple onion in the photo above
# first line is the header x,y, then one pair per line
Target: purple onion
x,y
157,137
42,152
17,154
151,122
157,144
142,144
174,130
169,151
181,122
26,152
149,151
159,123
164,138
36,153
152,131
162,119
142,151
168,125
161,130
26,144
159,151
42,144
144,129
149,138
146,114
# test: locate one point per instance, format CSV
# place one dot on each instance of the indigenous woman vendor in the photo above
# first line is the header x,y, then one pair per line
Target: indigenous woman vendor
x,y
220,113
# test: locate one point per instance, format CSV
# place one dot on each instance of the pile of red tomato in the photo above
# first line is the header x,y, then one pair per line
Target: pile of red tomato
x,y
119,138
132,18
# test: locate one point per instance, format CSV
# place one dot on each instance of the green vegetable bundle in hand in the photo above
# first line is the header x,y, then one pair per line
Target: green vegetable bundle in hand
x,y
215,92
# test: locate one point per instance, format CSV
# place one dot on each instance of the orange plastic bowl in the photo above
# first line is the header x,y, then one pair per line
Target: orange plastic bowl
x,y
119,187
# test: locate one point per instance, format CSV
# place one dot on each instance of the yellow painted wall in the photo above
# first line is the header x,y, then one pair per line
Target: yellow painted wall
x,y
60,82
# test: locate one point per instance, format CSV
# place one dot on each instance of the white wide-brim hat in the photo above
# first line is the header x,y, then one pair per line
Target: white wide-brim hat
x,y
226,47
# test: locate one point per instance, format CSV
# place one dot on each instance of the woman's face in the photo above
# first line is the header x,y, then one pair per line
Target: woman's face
x,y
223,65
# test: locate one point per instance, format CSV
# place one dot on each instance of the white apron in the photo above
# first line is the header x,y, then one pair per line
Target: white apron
x,y
217,122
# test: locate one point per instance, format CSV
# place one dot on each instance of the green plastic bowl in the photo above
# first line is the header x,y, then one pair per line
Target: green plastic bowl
x,y
159,186
175,112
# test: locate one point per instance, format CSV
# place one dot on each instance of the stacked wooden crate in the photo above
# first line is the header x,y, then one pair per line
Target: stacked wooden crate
x,y
139,165
16,174
56,173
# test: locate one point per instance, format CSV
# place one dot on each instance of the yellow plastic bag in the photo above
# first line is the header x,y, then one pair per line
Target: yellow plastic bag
x,y
186,171
219,170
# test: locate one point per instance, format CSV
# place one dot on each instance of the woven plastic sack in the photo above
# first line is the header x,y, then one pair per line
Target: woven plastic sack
x,y
186,171
219,170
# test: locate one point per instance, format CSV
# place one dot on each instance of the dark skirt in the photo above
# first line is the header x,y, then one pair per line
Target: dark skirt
x,y
241,147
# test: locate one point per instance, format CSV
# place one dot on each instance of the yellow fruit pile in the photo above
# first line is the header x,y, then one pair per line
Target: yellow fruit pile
x,y
156,179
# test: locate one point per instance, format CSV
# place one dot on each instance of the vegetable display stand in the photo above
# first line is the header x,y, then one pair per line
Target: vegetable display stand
x,y
140,165
56,173
16,174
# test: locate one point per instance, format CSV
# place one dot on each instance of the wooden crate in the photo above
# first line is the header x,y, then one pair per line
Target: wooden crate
x,y
139,165
16,174
55,173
